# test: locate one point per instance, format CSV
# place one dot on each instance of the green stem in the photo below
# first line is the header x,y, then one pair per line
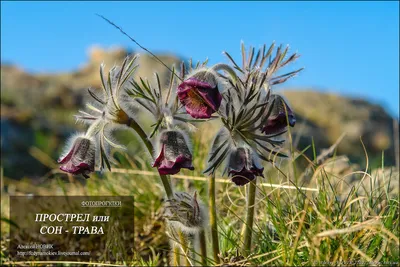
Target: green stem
x,y
213,217
164,179
251,199
203,247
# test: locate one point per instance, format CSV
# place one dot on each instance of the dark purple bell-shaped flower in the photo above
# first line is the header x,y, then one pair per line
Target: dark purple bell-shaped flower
x,y
244,166
80,158
174,153
199,94
276,121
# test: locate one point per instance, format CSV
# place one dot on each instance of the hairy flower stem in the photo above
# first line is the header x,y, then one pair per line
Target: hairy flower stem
x,y
226,68
168,190
92,130
213,217
164,179
203,247
251,199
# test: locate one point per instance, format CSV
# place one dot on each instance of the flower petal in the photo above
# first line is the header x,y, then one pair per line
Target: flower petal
x,y
66,157
243,177
174,154
160,158
80,158
200,99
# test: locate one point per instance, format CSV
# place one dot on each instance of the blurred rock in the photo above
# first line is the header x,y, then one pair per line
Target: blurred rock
x,y
16,137
325,116
66,90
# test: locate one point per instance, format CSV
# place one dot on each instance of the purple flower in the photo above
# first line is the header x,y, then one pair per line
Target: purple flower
x,y
199,94
276,121
244,166
174,153
80,158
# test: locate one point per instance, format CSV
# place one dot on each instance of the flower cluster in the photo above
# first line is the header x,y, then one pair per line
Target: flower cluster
x,y
240,96
252,118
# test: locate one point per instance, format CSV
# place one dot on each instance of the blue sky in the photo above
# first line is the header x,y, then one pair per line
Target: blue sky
x,y
351,48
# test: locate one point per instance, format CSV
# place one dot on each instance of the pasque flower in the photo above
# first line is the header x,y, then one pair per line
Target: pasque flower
x,y
80,157
111,110
244,166
276,121
185,210
199,94
173,154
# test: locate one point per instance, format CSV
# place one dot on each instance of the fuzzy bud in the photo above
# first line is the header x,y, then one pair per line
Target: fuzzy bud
x,y
186,210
